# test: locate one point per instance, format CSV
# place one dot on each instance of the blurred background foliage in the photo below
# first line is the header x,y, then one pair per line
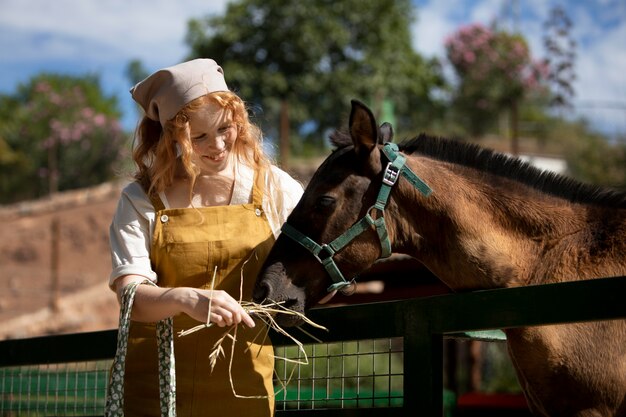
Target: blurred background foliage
x,y
58,132
298,65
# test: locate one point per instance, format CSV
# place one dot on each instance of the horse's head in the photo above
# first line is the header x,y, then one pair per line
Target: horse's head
x,y
342,190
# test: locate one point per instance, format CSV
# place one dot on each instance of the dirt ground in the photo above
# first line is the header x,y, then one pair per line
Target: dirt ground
x,y
32,302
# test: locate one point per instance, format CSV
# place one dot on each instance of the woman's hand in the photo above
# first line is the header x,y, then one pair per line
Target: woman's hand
x,y
225,310
157,303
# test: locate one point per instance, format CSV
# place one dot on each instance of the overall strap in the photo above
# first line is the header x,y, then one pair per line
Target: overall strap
x,y
154,197
157,202
258,188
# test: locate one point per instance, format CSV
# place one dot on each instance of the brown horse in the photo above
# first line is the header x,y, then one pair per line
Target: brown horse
x,y
491,221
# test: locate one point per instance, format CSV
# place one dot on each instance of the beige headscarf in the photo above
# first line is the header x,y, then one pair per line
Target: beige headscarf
x,y
165,92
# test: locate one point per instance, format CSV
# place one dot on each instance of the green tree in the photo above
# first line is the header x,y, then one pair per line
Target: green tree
x,y
495,72
57,133
303,61
590,156
136,71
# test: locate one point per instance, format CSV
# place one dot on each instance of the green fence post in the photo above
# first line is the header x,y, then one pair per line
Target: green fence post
x,y
423,365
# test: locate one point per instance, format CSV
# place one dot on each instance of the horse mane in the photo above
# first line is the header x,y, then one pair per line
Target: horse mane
x,y
487,160
502,165
340,139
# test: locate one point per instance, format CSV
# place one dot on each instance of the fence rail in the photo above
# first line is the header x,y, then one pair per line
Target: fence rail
x,y
418,324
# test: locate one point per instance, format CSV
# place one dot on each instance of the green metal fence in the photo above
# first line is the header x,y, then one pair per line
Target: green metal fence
x,y
72,389
356,374
376,356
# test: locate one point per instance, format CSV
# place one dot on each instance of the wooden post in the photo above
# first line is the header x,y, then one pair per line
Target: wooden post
x,y
284,146
54,264
475,365
53,188
53,168
514,128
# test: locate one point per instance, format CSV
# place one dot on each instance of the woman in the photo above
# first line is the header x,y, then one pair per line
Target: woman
x,y
198,222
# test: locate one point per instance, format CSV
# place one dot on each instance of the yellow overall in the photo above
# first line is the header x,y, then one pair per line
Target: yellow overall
x,y
188,244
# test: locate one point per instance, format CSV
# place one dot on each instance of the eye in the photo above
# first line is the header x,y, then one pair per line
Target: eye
x,y
198,139
325,203
223,129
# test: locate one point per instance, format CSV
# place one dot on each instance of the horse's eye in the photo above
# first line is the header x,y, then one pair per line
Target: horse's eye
x,y
325,202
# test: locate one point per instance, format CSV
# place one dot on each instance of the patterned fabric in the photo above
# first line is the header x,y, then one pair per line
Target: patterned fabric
x,y
167,374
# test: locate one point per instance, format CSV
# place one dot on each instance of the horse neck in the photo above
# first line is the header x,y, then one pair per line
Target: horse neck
x,y
474,233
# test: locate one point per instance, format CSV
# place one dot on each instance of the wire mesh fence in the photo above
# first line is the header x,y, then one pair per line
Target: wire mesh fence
x,y
355,374
71,389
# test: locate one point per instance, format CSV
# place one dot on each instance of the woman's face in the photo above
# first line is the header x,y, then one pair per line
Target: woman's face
x,y
213,134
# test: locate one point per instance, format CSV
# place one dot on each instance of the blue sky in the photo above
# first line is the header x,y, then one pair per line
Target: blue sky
x,y
102,36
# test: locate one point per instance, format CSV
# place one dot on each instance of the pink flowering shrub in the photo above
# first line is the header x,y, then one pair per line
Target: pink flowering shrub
x,y
494,68
63,134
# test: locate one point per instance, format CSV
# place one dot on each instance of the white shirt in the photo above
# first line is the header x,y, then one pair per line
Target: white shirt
x,y
132,227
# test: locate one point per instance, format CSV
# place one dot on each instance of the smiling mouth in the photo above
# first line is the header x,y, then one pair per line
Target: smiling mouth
x,y
217,157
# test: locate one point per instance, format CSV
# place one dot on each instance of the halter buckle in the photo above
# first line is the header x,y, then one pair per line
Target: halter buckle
x,y
325,253
390,177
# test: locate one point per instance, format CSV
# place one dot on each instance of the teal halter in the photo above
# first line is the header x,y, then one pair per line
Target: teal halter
x,y
324,253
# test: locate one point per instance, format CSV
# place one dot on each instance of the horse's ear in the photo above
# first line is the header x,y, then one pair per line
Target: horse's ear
x,y
363,129
386,132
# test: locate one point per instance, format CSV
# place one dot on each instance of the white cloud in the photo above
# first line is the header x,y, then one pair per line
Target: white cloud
x,y
94,36
601,65
485,11
152,30
431,28
601,84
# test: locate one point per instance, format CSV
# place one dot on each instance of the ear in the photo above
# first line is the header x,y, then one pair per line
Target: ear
x,y
386,132
363,129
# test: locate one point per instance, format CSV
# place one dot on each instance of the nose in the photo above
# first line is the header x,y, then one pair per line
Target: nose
x,y
219,143
262,291
216,144
211,143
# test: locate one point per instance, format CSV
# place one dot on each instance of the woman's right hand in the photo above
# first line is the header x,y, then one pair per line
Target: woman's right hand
x,y
225,310
156,303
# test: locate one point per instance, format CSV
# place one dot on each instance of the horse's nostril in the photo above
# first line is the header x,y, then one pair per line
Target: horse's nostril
x,y
262,291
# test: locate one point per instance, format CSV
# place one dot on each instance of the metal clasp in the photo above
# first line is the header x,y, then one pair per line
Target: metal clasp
x,y
326,252
391,174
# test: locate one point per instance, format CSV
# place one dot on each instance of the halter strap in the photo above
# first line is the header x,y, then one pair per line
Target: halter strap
x,y
325,252
398,161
